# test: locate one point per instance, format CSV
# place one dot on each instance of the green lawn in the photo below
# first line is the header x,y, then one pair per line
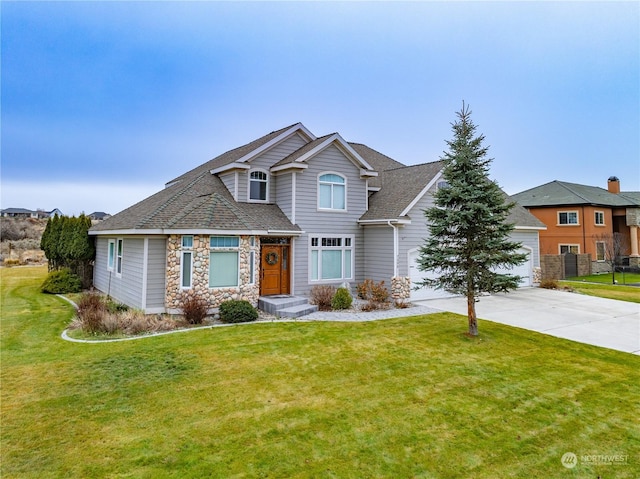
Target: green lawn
x,y
611,291
404,398
606,278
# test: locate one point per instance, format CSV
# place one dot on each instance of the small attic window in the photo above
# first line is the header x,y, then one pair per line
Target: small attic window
x,y
258,185
442,184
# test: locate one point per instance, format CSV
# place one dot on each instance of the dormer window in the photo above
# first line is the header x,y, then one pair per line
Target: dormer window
x,y
258,185
332,192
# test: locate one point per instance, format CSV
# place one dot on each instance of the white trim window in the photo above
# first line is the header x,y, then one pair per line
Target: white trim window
x,y
599,218
600,251
332,192
224,261
111,255
569,248
568,217
331,258
119,255
186,262
258,186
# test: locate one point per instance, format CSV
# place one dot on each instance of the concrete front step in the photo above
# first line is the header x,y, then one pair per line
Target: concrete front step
x,y
286,306
297,311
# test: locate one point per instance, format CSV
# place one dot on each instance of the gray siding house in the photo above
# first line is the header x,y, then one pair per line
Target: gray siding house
x,y
275,217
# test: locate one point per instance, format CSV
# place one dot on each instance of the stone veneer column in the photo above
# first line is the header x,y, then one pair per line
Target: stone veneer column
x,y
174,294
400,287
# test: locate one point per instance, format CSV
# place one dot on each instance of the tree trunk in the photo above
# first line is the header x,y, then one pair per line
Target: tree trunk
x,y
471,314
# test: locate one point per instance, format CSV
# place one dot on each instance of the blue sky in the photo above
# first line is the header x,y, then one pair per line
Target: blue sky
x,y
103,102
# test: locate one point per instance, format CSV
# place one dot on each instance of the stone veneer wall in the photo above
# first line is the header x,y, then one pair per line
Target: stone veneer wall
x,y
200,277
400,287
553,265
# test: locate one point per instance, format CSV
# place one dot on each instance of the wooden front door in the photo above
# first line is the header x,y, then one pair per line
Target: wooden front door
x,y
274,269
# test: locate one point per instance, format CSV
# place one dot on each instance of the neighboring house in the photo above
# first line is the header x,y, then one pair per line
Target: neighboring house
x,y
277,216
52,213
577,216
99,216
19,213
25,213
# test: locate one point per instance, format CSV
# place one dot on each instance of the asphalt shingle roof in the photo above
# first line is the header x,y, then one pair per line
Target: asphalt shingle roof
x,y
231,155
203,202
558,193
400,186
199,200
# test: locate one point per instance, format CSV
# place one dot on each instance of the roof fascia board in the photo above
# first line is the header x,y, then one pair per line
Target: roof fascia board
x,y
385,222
529,228
230,167
419,196
297,128
288,166
192,231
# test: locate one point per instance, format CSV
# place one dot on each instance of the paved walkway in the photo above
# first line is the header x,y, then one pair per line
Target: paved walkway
x,y
370,315
586,319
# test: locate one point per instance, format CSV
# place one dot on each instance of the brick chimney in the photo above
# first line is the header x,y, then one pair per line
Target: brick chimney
x,y
613,184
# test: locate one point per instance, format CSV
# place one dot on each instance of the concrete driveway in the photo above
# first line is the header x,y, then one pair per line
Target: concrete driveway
x,y
602,322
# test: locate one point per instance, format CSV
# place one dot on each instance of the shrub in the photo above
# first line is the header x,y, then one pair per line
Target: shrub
x,y
321,296
342,299
194,309
91,313
114,307
237,311
364,288
549,284
11,262
376,294
61,281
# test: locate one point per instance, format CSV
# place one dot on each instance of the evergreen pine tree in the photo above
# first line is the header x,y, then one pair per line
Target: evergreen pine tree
x,y
469,236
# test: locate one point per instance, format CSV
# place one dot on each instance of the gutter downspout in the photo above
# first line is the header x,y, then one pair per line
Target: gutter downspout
x,y
395,249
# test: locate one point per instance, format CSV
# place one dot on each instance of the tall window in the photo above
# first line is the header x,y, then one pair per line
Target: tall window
x,y
331,258
599,218
569,248
600,251
258,182
223,261
119,252
332,192
111,254
567,217
186,263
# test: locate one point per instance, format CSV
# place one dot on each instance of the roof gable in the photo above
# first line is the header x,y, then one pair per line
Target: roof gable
x,y
300,157
241,154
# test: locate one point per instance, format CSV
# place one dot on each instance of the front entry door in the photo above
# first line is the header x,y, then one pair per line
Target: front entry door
x,y
275,269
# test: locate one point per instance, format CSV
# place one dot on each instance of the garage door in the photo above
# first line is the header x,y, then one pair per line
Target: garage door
x,y
525,270
416,276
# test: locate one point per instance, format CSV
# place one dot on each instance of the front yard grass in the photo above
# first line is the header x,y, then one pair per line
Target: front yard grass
x,y
607,278
409,397
610,291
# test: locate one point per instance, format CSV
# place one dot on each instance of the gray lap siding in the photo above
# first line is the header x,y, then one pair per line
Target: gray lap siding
x,y
127,287
130,287
378,256
156,274
328,223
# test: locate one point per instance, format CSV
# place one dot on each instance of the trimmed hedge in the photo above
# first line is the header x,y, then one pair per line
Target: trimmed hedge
x,y
237,311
